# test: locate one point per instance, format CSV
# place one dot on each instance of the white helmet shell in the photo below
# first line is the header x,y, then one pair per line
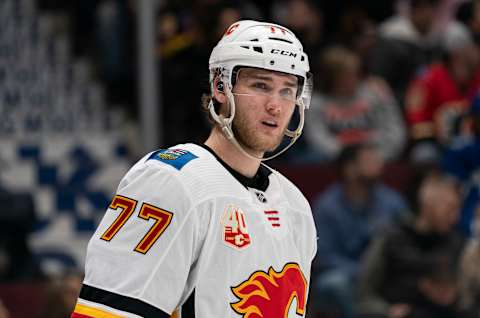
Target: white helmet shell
x,y
263,45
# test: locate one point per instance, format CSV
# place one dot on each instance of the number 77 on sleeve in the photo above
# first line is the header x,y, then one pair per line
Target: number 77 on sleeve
x,y
127,206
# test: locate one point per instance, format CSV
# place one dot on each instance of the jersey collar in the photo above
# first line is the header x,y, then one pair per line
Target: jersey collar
x,y
259,181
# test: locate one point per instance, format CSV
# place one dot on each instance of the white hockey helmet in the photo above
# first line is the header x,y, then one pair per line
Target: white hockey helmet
x,y
262,45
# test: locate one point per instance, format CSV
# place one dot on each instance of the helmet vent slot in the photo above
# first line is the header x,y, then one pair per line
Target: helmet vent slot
x,y
258,49
279,39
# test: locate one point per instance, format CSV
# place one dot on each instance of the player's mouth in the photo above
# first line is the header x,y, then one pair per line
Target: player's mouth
x,y
270,123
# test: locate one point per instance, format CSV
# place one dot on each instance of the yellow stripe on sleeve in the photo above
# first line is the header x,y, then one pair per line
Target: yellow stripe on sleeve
x,y
94,312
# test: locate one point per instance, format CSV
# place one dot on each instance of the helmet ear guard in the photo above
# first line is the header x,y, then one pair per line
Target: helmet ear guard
x,y
258,45
220,87
225,122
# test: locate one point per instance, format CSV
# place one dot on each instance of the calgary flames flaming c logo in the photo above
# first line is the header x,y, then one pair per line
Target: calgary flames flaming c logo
x,y
270,295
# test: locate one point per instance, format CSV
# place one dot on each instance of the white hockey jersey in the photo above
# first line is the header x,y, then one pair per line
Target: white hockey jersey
x,y
182,221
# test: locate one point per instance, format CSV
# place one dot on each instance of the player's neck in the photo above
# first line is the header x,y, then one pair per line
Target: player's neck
x,y
231,155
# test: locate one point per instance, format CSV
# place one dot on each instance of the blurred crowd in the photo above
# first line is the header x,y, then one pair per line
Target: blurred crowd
x,y
382,253
394,81
402,75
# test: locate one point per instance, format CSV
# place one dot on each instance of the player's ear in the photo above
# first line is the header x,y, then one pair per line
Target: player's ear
x,y
219,91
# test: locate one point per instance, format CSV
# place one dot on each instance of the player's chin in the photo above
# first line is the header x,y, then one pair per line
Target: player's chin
x,y
261,146
272,145
263,143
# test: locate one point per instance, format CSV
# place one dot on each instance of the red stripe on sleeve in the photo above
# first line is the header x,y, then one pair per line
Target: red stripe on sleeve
x,y
77,315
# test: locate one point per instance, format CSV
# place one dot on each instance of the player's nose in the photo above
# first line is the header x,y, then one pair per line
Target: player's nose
x,y
274,105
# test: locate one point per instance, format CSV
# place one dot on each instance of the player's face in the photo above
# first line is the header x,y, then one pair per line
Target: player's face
x,y
264,104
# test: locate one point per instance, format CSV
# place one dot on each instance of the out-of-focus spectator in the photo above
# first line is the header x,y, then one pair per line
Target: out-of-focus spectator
x,y
210,17
469,13
470,272
181,65
305,19
462,161
406,43
350,110
62,294
437,97
411,271
17,218
357,31
334,11
3,311
347,216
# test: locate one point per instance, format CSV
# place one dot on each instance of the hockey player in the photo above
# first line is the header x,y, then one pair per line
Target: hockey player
x,y
211,223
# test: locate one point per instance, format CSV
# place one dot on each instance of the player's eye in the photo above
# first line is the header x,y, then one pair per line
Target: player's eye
x,y
260,86
288,93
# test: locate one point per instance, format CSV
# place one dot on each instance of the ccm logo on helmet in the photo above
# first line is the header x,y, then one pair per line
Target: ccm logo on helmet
x,y
282,52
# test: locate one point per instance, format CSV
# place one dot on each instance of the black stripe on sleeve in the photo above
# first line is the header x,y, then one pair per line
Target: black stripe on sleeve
x,y
128,304
188,308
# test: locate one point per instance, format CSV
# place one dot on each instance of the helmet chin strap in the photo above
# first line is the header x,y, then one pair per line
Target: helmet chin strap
x,y
226,126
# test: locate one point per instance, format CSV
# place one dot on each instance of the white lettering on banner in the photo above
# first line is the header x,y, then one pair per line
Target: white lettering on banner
x,y
34,122
71,181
